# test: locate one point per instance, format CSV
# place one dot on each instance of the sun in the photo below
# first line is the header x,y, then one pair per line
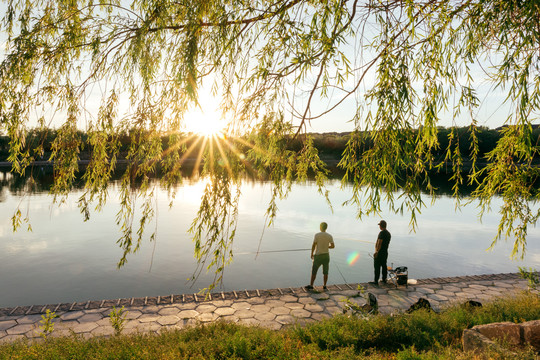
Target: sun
x,y
207,123
206,126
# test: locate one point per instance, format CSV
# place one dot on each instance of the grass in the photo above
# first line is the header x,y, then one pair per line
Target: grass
x,y
421,335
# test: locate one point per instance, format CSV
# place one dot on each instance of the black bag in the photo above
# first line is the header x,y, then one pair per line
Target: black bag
x,y
401,275
422,303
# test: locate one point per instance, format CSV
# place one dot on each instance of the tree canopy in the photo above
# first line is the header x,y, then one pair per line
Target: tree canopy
x,y
116,67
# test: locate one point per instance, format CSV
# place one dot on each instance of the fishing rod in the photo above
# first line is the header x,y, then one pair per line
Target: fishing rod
x,y
270,251
340,273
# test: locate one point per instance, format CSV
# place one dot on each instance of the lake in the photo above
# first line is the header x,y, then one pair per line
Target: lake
x,y
64,259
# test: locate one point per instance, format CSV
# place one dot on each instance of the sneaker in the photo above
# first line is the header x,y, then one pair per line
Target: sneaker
x,y
372,283
324,288
383,281
309,287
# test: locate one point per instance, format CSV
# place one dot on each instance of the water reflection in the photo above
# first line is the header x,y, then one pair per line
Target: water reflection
x,y
65,259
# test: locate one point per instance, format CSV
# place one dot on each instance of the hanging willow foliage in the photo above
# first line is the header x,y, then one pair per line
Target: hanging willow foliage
x,y
114,68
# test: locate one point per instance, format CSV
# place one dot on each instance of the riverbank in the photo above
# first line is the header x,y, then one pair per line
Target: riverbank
x,y
272,308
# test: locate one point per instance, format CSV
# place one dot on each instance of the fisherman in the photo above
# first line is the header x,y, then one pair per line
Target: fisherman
x,y
381,253
320,254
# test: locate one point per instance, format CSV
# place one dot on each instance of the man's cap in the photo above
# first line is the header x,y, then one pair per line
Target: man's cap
x,y
382,223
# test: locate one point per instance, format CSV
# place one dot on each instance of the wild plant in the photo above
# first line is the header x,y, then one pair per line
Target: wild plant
x,y
117,318
47,324
531,275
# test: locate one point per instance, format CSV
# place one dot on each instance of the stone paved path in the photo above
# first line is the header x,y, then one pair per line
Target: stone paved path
x,y
274,309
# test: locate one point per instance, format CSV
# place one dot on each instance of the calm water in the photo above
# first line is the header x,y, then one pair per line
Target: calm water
x,y
65,259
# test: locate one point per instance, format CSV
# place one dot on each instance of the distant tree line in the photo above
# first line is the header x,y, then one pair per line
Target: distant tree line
x,y
39,142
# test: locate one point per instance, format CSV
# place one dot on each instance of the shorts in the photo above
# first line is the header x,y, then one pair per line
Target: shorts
x,y
318,260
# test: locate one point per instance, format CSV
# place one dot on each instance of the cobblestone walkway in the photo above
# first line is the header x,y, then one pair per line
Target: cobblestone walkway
x,y
274,309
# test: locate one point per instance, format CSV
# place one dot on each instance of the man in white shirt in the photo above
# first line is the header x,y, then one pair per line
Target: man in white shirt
x,y
320,254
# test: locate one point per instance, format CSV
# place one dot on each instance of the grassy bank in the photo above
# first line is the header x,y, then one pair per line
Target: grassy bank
x,y
421,335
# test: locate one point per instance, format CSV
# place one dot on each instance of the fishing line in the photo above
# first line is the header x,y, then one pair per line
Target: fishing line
x,y
340,273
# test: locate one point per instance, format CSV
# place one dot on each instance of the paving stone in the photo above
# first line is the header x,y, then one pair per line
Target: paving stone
x,y
321,296
133,314
70,324
4,325
314,308
28,319
188,306
289,298
150,309
300,313
425,290
432,286
338,298
168,320
265,316
224,311
453,288
437,297
260,308
230,318
294,306
145,318
256,300
169,310
166,328
307,300
244,314
280,310
250,321
85,327
493,293
103,322
326,303
58,333
72,315
478,286
103,331
503,284
131,324
206,308
376,290
241,305
11,338
285,319
90,317
147,327
274,303
207,317
21,329
222,303
187,314
333,310
445,293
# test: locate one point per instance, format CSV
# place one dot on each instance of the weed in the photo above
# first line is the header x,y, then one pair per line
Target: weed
x,y
117,318
531,275
47,324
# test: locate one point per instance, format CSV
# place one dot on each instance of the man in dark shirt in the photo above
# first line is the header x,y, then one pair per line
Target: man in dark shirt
x,y
381,253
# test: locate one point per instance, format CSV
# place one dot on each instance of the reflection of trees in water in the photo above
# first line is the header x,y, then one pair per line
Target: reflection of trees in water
x,y
40,179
